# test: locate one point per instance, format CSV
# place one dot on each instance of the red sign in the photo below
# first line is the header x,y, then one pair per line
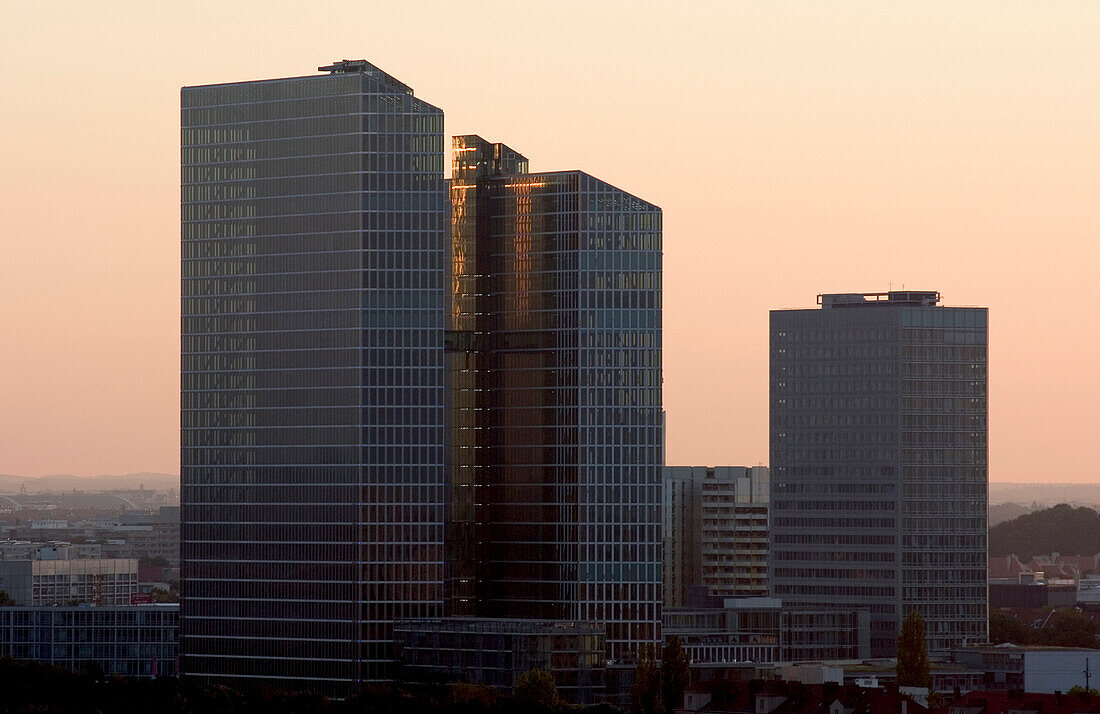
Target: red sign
x,y
141,598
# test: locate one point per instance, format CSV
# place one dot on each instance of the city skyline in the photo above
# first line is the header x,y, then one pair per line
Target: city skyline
x,y
388,418
795,151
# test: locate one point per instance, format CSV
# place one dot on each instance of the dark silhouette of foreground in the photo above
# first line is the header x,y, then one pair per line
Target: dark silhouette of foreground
x,y
27,687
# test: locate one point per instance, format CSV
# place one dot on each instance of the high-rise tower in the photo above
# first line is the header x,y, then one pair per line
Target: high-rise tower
x,y
878,458
554,362
312,456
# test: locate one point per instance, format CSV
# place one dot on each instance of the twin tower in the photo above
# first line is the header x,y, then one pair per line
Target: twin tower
x,y
404,397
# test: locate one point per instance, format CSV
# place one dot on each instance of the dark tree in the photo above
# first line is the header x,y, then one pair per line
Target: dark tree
x,y
1006,628
6,599
675,674
537,686
1069,627
645,695
472,695
166,596
914,669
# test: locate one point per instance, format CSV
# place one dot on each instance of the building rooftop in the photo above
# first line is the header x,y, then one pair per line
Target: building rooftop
x,y
1009,646
361,66
358,66
918,298
1017,702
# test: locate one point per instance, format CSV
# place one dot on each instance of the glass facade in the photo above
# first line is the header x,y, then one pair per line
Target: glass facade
x,y
125,641
764,630
497,651
879,462
555,432
312,455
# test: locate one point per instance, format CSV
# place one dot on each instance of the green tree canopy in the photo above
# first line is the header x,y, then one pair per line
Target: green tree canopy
x,y
913,668
1064,627
1006,628
1069,627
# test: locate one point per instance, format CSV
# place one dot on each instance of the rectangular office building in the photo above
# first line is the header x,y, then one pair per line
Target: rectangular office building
x,y
312,393
879,462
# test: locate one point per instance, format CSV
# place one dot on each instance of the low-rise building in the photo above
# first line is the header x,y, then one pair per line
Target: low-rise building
x,y
1088,593
153,535
103,581
1033,669
495,651
1028,591
48,550
1021,702
782,697
947,676
131,534
130,641
764,630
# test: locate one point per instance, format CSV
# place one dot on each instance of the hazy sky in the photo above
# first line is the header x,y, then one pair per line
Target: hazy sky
x,y
795,147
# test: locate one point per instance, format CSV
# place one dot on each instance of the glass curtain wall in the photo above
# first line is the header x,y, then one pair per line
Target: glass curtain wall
x,y
312,376
879,469
556,396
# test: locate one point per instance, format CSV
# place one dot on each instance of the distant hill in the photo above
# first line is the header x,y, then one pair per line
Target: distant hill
x,y
65,482
1044,494
1001,512
1063,529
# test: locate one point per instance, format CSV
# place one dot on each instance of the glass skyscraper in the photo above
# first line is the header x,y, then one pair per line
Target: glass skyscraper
x,y
879,462
555,432
312,375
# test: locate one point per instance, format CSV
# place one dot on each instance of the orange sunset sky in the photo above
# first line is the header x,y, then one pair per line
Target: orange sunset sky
x,y
795,147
